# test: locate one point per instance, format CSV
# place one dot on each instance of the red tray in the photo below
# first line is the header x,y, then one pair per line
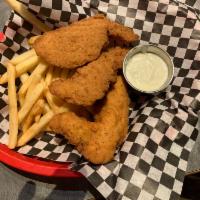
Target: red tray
x,y
34,165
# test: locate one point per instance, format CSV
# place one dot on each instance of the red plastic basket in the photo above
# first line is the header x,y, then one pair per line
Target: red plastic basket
x,y
34,165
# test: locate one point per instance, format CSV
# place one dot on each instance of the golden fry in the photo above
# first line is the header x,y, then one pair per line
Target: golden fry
x,y
38,107
39,70
49,76
36,110
35,129
21,58
46,108
36,79
27,123
62,109
24,77
37,117
56,104
30,100
21,68
12,100
33,39
21,98
50,101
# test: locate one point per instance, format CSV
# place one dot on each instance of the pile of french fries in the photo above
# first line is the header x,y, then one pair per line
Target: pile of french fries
x,y
32,106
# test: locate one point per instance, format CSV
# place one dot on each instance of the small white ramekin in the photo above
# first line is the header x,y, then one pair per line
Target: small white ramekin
x,y
150,49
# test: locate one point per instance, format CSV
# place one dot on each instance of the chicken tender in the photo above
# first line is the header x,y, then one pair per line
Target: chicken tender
x,y
70,47
97,141
121,34
91,82
81,42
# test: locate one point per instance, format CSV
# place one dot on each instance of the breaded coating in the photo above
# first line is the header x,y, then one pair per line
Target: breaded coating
x,y
91,82
115,30
81,42
97,141
73,46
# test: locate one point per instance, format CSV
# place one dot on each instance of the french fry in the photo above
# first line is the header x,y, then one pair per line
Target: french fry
x,y
32,40
24,126
56,104
38,107
21,99
22,96
36,79
27,122
46,108
36,110
37,117
30,100
49,76
39,70
21,68
49,98
21,58
24,77
35,129
26,65
12,100
62,109
22,10
57,101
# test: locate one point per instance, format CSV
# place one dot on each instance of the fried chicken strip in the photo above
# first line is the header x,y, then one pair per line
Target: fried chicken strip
x,y
80,43
73,46
97,141
89,83
115,30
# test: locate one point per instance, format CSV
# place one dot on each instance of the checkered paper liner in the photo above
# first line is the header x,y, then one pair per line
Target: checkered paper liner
x,y
151,163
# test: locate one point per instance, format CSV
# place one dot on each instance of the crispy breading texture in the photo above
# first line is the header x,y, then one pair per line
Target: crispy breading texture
x,y
119,32
97,141
90,83
73,46
81,42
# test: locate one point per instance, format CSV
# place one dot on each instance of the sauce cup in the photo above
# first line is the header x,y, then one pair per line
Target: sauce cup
x,y
153,51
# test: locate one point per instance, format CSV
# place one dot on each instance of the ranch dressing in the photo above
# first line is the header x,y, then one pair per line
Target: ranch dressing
x,y
147,71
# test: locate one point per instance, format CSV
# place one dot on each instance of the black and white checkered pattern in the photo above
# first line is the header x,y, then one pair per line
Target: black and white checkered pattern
x,y
162,129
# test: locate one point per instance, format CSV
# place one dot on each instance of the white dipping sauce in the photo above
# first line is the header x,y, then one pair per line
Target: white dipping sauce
x,y
146,71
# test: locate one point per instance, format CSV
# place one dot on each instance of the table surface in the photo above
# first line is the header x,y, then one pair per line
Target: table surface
x,y
18,186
